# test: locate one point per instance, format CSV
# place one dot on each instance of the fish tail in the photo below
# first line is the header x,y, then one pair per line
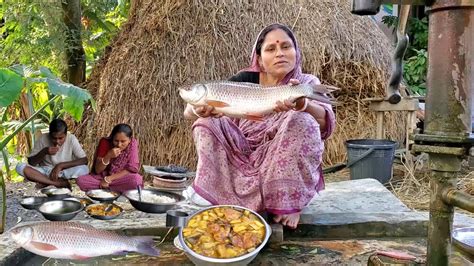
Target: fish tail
x,y
146,245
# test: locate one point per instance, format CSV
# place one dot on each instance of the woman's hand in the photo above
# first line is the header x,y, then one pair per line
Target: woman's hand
x,y
206,111
293,82
290,104
104,184
113,153
284,106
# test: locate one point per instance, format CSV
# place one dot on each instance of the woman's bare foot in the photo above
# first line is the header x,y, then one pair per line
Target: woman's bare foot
x,y
278,218
291,220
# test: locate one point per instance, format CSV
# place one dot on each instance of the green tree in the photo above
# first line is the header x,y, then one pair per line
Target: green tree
x,y
33,32
19,79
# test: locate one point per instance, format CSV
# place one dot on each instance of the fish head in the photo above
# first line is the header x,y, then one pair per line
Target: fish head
x,y
21,235
193,94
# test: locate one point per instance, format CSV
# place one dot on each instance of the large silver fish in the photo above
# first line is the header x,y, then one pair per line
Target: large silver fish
x,y
70,240
249,100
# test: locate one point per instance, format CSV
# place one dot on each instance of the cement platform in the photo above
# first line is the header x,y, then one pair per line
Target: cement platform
x,y
363,208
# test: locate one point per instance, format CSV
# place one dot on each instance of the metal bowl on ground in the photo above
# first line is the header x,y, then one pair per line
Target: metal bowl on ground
x,y
103,195
152,207
245,259
84,201
464,239
60,210
32,203
56,193
95,211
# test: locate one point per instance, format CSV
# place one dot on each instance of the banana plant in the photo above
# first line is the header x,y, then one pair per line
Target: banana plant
x,y
17,78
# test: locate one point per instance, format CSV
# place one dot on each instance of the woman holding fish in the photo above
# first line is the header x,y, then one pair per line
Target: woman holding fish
x,y
261,145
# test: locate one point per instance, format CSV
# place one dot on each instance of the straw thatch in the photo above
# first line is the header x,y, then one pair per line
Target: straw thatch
x,y
167,43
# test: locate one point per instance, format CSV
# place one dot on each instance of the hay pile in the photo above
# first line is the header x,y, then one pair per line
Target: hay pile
x,y
411,184
167,43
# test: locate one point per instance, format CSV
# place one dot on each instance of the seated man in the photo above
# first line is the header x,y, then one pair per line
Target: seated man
x,y
56,157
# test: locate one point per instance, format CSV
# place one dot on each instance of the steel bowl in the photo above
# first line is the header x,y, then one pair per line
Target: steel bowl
x,y
32,203
132,196
464,239
245,259
93,195
102,217
60,210
84,201
54,193
176,218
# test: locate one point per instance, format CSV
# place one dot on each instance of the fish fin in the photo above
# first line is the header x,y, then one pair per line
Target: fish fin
x,y
396,255
254,116
216,103
121,253
146,245
320,88
79,257
43,246
321,93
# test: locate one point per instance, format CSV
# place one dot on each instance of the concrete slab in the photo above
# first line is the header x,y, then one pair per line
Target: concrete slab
x,y
359,209
355,196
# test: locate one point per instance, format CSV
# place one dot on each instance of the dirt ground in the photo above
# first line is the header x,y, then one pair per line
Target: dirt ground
x,y
16,213
413,190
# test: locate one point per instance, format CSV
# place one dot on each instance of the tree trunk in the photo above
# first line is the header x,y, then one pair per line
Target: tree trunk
x,y
76,60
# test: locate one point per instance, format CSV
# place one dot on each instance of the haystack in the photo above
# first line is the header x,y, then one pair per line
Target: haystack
x,y
167,43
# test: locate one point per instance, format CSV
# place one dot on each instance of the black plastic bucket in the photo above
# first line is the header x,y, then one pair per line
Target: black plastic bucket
x,y
370,158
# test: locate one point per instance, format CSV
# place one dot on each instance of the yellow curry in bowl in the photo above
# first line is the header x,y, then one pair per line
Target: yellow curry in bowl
x,y
224,232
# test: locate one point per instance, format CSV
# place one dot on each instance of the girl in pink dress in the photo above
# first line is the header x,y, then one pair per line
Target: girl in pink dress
x,y
116,163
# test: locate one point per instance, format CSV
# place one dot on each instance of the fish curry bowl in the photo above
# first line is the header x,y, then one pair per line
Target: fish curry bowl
x,y
103,211
224,234
60,210
153,200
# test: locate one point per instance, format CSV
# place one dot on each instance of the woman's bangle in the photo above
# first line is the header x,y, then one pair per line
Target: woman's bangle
x,y
194,112
102,160
304,106
106,181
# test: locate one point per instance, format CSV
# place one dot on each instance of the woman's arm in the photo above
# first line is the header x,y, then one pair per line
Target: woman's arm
x,y
318,112
104,154
192,113
189,114
101,163
105,183
131,166
109,179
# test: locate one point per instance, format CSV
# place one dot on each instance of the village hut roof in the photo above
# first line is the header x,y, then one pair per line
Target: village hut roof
x,y
166,44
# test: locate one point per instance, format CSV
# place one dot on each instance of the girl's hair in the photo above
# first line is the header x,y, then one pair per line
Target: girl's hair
x,y
121,128
263,34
